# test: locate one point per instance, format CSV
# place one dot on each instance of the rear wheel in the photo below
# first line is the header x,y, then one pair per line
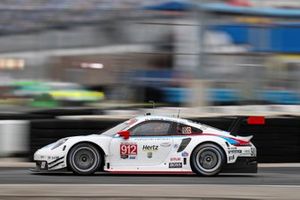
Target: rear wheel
x,y
84,159
207,160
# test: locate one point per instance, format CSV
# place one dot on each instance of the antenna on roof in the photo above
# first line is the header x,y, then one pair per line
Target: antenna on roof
x,y
178,113
153,106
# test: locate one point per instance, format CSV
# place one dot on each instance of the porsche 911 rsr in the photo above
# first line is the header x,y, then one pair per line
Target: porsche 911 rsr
x,y
152,144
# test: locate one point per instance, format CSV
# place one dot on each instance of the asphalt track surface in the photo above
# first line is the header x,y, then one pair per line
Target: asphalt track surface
x,y
265,176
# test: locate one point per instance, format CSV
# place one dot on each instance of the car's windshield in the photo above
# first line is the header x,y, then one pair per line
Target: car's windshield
x,y
119,127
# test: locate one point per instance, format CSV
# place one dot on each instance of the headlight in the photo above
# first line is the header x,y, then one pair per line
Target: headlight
x,y
59,143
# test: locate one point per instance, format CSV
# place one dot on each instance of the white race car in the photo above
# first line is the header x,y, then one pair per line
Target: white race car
x,y
151,144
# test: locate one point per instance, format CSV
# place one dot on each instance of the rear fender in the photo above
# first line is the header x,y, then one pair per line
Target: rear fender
x,y
195,142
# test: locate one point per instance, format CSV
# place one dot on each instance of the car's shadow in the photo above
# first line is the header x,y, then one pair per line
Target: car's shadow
x,y
141,175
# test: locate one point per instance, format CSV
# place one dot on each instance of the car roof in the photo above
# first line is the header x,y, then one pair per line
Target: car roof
x,y
140,119
163,118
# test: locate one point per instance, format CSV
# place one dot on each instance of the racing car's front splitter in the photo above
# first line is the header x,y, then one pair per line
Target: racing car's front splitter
x,y
242,165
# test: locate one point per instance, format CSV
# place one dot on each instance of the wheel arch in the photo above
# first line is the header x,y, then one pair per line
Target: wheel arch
x,y
98,147
209,142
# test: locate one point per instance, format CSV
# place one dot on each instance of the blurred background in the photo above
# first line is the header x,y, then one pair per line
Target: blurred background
x,y
56,53
205,56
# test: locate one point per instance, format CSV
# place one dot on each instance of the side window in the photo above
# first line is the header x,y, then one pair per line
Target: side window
x,y
186,129
151,128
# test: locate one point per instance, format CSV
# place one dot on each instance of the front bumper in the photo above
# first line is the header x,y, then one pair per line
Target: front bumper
x,y
44,165
242,165
49,160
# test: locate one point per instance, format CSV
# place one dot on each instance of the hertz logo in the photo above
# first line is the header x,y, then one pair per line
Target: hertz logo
x,y
150,147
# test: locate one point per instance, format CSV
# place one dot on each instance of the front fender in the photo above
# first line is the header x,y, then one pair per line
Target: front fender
x,y
99,141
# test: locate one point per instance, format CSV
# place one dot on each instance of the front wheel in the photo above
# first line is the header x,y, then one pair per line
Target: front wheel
x,y
207,160
84,159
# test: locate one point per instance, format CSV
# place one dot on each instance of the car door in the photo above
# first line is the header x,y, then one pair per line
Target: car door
x,y
149,144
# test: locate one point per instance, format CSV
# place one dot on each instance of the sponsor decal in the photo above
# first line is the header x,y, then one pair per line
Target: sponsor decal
x,y
184,154
175,159
186,130
132,157
128,149
51,157
165,144
153,138
157,118
150,147
149,154
175,165
234,151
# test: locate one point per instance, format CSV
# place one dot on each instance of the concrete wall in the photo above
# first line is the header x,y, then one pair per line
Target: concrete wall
x,y
14,137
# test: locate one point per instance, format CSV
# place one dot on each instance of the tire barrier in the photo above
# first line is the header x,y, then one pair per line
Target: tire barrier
x,y
278,140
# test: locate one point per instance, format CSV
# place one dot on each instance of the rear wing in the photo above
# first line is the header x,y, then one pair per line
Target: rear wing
x,y
251,120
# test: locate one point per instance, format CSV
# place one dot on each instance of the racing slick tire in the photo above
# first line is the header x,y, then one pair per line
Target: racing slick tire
x,y
84,159
207,159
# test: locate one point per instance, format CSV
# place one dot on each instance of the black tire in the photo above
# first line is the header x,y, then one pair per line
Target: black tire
x,y
207,159
84,159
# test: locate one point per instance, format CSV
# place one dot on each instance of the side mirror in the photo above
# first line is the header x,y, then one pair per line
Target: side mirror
x,y
124,134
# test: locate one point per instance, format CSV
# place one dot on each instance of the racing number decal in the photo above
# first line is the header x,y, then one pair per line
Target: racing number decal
x,y
128,149
186,130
